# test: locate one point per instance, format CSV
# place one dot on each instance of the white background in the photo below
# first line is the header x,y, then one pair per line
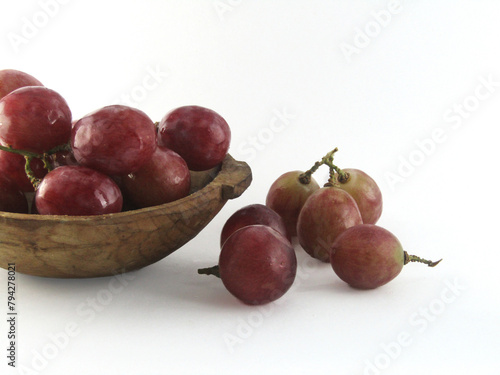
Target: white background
x,y
409,92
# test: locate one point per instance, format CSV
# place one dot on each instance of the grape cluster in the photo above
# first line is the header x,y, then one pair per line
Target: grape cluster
x,y
93,166
335,224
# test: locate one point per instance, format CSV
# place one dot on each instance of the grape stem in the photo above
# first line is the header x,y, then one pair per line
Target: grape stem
x,y
413,258
305,178
210,271
28,155
336,174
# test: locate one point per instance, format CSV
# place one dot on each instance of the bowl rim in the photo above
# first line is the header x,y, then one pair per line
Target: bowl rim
x,y
223,170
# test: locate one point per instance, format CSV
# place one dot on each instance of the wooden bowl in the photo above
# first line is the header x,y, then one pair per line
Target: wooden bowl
x,y
105,245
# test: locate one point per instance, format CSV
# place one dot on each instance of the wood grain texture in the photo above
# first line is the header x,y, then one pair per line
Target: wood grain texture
x,y
105,245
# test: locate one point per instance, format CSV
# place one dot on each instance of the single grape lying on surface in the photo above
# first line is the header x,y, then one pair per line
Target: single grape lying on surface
x,y
257,264
367,256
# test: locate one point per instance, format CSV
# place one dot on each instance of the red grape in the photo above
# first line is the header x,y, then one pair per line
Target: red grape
x,y
257,264
13,165
11,80
11,198
35,119
200,135
367,256
251,215
164,178
365,192
287,195
115,140
77,190
327,213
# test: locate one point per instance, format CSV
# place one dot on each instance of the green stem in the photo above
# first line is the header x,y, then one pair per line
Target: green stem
x,y
305,178
20,152
28,155
343,177
413,258
29,172
210,271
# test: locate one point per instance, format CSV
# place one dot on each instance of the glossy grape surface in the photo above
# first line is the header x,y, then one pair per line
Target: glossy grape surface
x,y
327,213
35,119
287,195
164,178
115,140
252,215
11,80
200,135
12,198
365,192
367,256
257,264
77,190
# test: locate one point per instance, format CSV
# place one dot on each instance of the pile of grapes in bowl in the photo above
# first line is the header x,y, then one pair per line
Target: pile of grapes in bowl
x,y
110,192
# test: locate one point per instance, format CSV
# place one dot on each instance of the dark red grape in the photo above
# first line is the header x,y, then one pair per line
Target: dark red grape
x,y
12,199
35,119
200,135
287,195
257,264
327,213
367,256
365,192
13,165
76,190
164,178
11,80
115,140
251,215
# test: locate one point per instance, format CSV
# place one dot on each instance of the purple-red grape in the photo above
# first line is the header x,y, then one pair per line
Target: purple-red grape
x,y
287,195
13,166
257,264
77,190
365,192
327,213
12,199
200,135
252,215
35,119
11,80
164,178
115,140
367,256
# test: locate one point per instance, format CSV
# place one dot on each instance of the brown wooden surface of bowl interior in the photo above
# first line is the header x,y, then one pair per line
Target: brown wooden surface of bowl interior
x,y
105,245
